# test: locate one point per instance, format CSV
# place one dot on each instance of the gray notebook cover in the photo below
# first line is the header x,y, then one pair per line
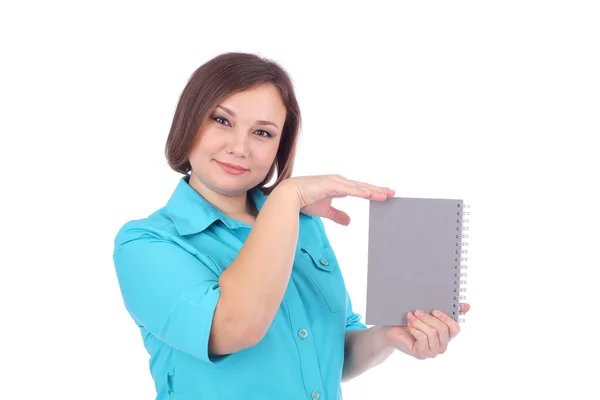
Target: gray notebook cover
x,y
414,255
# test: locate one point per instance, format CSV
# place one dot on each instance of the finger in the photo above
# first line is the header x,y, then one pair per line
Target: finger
x,y
379,193
340,189
432,335
383,193
443,331
464,308
337,216
452,324
377,189
345,189
364,192
420,348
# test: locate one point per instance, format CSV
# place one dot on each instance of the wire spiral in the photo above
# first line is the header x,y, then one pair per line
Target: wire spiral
x,y
460,259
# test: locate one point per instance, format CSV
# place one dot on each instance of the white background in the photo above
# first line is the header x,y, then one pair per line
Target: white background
x,y
497,103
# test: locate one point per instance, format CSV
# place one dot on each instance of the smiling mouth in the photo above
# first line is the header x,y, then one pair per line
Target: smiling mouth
x,y
233,166
232,169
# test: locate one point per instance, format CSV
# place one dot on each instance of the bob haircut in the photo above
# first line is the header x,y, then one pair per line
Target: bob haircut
x,y
217,79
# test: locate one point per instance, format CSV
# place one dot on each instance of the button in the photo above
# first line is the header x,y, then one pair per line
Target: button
x,y
324,262
316,395
303,333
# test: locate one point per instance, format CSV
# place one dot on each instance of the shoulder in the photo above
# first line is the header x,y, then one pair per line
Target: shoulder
x,y
157,225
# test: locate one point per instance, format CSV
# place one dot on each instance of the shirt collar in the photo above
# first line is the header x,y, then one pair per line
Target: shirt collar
x,y
191,213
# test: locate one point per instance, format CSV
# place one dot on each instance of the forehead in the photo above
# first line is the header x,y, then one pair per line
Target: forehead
x,y
261,102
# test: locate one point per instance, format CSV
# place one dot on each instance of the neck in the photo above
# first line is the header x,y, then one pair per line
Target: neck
x,y
233,205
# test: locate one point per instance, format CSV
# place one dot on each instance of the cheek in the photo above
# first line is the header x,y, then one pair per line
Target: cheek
x,y
265,155
196,153
205,144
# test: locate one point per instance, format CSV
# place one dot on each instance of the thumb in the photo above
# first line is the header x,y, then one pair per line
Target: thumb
x,y
337,216
401,338
464,308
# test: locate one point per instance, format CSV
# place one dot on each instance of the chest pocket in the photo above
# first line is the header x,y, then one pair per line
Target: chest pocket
x,y
325,274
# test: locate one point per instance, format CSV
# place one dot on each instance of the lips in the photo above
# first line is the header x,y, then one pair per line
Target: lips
x,y
233,166
232,169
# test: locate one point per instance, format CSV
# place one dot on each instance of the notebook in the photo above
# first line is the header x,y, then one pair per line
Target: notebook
x,y
416,258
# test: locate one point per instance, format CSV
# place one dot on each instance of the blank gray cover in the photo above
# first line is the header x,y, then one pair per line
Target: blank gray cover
x,y
414,255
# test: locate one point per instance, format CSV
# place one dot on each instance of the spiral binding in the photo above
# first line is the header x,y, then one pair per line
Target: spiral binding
x,y
460,266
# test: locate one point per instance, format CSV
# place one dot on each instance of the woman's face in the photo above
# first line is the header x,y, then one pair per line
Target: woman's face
x,y
236,146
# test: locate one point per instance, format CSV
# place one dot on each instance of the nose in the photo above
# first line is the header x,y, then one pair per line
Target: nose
x,y
238,143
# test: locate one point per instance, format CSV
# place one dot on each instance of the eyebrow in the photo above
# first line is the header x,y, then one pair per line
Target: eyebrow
x,y
260,122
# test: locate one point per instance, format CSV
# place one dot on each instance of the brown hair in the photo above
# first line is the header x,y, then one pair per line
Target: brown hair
x,y
218,78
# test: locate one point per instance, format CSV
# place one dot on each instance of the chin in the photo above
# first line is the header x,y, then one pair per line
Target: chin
x,y
230,187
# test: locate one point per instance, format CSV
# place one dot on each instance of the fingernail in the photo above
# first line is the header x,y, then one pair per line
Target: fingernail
x,y
437,313
410,317
419,313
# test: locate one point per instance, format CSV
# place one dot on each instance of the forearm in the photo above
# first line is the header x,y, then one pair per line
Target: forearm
x,y
364,349
252,287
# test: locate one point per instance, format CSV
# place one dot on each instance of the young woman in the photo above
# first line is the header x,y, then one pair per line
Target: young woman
x,y
234,285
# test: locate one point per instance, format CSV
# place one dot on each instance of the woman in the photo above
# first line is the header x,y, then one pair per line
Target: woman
x,y
234,285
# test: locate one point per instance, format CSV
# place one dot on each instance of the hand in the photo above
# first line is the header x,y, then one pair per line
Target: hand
x,y
426,335
316,192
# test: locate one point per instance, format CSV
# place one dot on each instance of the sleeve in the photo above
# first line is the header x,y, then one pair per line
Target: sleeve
x,y
169,291
353,320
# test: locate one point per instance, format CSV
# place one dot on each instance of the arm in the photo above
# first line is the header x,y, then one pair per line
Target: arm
x,y
179,297
254,284
166,289
425,336
364,349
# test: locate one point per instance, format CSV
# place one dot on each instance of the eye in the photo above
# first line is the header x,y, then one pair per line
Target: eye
x,y
221,120
264,133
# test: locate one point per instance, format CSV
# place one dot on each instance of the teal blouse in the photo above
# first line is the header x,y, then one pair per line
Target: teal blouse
x,y
168,267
